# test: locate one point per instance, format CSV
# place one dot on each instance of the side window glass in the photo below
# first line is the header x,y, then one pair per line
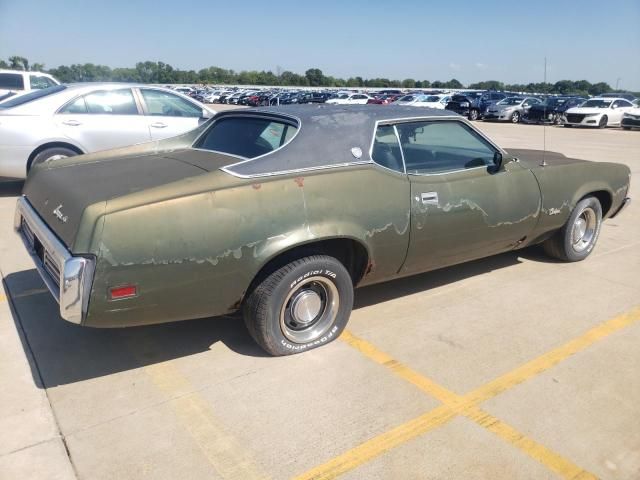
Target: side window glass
x,y
386,150
111,102
77,106
38,82
166,104
439,147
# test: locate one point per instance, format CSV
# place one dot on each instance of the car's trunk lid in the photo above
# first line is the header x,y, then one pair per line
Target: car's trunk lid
x,y
60,192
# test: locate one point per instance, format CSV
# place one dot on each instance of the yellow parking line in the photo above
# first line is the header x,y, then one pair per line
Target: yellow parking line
x,y
3,297
223,451
535,450
380,444
552,358
466,405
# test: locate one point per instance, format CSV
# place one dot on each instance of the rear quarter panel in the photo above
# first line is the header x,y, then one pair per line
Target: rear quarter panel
x,y
193,248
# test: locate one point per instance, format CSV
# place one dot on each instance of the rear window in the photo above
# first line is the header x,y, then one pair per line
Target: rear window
x,y
11,81
29,97
246,137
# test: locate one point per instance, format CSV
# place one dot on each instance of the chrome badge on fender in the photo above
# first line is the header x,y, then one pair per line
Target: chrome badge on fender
x,y
59,215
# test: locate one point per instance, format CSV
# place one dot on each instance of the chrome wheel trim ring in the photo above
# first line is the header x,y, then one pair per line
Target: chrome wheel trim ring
x,y
54,157
584,230
309,310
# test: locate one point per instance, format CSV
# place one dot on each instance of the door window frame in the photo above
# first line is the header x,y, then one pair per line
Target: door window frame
x,y
137,91
395,122
60,111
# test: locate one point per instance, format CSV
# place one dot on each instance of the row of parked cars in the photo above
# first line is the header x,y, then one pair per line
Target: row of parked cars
x,y
612,109
40,125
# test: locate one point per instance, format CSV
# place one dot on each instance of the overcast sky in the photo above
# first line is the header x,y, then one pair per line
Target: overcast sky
x,y
467,40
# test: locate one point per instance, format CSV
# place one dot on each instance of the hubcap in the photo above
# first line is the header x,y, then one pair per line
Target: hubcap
x,y
306,306
584,230
54,157
309,310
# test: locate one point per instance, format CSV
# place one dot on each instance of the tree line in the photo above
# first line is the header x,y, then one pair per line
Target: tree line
x,y
163,73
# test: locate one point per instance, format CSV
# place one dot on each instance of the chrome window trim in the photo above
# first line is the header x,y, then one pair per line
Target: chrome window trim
x,y
301,170
76,273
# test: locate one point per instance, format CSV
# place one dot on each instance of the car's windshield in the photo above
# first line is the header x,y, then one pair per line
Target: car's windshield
x,y
246,137
406,98
511,101
31,96
594,103
432,98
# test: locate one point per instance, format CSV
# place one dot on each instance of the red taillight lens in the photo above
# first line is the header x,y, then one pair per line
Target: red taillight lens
x,y
124,291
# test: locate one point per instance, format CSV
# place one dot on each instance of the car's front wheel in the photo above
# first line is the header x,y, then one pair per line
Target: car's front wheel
x,y
302,305
515,117
54,153
603,122
474,114
577,238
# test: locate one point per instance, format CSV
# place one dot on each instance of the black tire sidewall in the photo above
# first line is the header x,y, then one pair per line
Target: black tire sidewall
x,y
50,152
571,254
474,114
515,117
320,266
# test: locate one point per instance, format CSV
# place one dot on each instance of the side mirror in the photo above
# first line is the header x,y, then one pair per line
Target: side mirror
x,y
207,113
498,161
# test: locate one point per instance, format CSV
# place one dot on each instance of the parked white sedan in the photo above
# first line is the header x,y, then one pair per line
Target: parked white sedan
x,y
68,120
598,112
350,99
432,101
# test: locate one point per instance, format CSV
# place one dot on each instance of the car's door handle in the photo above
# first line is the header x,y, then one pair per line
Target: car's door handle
x,y
71,123
429,198
159,125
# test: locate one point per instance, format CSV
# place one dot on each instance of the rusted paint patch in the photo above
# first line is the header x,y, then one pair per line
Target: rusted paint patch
x,y
299,181
256,186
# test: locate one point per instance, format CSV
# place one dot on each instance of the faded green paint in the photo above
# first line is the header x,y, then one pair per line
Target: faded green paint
x,y
194,242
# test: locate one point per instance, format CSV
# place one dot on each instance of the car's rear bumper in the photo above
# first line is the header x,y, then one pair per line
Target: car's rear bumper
x,y
67,277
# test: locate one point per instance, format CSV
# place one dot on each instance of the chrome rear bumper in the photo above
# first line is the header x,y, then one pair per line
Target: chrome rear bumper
x,y
67,277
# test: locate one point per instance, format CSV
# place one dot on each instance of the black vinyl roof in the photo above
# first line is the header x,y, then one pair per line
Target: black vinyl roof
x,y
326,135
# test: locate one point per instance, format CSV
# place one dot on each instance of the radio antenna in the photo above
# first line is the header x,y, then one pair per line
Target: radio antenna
x,y
544,121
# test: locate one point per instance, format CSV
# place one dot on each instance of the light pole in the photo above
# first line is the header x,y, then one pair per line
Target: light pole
x,y
617,83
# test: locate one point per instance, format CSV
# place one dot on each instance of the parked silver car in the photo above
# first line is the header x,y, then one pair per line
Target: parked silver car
x,y
511,109
67,120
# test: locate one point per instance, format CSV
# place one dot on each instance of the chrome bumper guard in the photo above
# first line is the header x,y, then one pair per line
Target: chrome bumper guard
x,y
625,204
67,277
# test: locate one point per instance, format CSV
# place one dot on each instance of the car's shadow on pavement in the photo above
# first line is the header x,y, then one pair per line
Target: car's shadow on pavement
x,y
65,353
10,188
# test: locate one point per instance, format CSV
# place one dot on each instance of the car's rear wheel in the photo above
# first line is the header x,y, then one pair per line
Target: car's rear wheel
x,y
577,238
515,117
603,122
53,153
474,114
302,305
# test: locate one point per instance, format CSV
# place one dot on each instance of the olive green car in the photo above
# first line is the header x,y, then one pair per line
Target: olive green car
x,y
281,212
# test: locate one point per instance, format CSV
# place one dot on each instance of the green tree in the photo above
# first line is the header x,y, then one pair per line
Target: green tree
x,y
3,64
315,77
454,83
19,63
409,83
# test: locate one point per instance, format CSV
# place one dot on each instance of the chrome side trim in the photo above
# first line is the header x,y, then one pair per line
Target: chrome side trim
x,y
300,170
73,286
